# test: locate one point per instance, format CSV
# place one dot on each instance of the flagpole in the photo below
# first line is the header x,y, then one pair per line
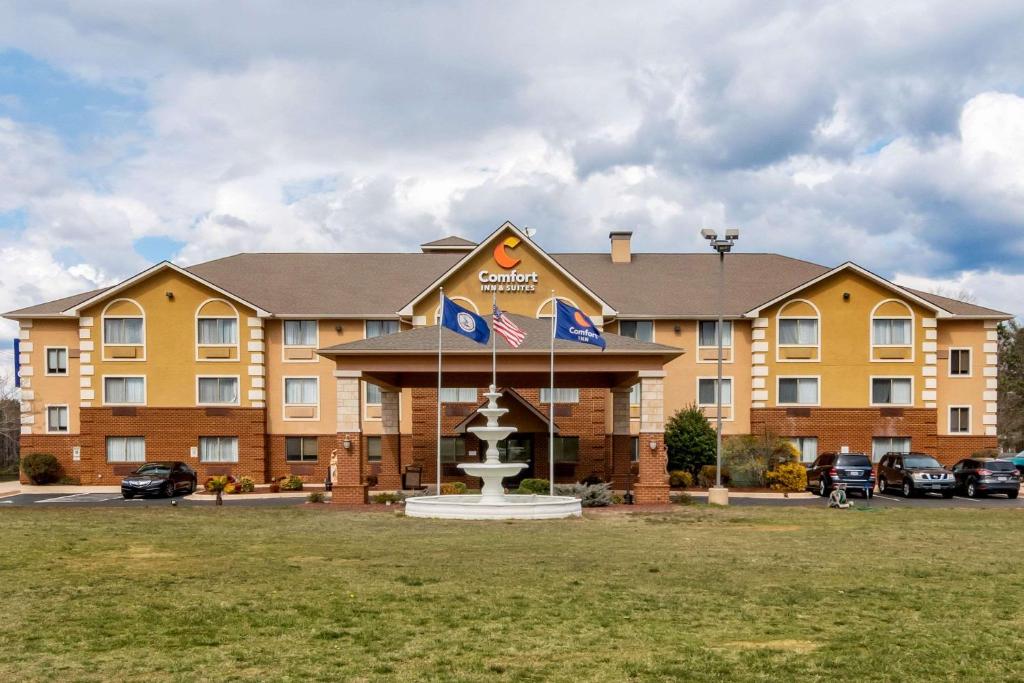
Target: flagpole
x,y
440,320
551,402
494,343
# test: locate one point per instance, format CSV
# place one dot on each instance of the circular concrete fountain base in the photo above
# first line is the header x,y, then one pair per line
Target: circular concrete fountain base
x,y
510,507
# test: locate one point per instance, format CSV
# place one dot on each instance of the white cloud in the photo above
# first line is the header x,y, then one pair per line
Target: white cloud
x,y
992,289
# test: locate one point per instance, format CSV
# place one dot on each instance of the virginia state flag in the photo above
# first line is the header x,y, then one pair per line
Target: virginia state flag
x,y
573,325
465,322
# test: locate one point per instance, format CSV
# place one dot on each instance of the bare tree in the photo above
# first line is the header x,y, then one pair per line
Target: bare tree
x,y
962,294
10,424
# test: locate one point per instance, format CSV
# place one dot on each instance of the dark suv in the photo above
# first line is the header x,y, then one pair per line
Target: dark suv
x,y
980,476
914,473
830,469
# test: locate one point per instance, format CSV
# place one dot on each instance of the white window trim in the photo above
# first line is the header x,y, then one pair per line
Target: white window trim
x,y
145,389
284,347
366,324
546,304
730,405
363,402
238,454
46,417
476,396
46,361
730,347
970,420
871,392
238,394
913,333
778,392
468,303
970,365
654,326
779,317
238,333
103,332
284,400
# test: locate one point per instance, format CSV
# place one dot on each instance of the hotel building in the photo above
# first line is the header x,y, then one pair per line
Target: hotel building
x,y
265,365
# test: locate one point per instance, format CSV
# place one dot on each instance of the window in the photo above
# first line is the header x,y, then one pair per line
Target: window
x,y
373,452
707,333
126,449
798,390
458,395
218,449
634,449
122,330
379,328
57,418
567,449
891,331
896,391
634,394
218,331
959,362
57,361
637,329
373,395
300,448
453,449
886,444
131,390
798,331
300,333
960,420
707,396
561,395
301,391
218,390
807,446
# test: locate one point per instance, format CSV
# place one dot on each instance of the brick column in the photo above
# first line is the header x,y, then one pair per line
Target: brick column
x,y
350,488
621,440
390,476
652,483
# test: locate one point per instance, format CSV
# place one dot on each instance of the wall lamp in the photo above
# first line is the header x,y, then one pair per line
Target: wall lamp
x,y
170,295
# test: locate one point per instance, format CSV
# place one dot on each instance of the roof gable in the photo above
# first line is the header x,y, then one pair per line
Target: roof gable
x,y
851,266
509,247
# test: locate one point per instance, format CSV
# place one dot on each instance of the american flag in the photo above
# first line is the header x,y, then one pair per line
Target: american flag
x,y
508,330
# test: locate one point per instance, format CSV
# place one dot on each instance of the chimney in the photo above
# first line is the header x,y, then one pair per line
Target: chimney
x,y
620,246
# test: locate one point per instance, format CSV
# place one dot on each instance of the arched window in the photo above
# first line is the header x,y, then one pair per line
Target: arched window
x,y
217,331
123,331
892,332
544,310
460,300
798,332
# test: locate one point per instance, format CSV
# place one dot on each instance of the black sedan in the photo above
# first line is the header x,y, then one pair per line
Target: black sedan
x,y
981,476
165,479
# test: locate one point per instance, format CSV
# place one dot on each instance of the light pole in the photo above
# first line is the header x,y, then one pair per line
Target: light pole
x,y
720,495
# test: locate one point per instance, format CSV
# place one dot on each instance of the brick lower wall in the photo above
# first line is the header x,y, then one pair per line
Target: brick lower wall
x,y
311,472
170,434
955,448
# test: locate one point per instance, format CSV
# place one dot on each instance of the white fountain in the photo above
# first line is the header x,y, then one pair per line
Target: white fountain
x,y
493,503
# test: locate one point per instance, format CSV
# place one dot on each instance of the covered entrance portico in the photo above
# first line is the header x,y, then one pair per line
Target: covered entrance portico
x,y
408,360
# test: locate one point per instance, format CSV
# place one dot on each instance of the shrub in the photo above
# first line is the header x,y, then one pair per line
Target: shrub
x,y
41,468
683,498
590,495
315,497
986,453
789,477
218,485
387,498
592,480
292,483
453,488
749,457
706,478
690,440
680,479
232,488
275,484
539,487
67,480
246,485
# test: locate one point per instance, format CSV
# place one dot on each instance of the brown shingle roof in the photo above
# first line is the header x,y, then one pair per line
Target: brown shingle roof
x,y
957,307
450,241
54,307
538,339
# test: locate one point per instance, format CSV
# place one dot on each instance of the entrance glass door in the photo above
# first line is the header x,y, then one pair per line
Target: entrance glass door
x,y
517,448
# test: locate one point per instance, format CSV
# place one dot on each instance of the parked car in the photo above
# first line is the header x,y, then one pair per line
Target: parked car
x,y
914,473
1017,460
165,479
981,476
830,469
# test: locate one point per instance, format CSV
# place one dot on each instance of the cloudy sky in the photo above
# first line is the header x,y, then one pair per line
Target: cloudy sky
x,y
888,133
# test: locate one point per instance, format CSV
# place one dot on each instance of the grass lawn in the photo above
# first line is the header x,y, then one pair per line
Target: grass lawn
x,y
695,594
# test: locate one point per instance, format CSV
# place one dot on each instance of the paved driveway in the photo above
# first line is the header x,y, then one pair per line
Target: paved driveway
x,y
115,500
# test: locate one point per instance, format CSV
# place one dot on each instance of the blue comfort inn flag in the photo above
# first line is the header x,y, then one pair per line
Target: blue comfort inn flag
x,y
465,322
572,324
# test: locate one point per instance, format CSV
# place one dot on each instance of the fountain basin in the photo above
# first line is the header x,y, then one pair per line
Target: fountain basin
x,y
508,507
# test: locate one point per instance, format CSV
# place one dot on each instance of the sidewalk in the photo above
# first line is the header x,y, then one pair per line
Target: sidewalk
x,y
771,495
